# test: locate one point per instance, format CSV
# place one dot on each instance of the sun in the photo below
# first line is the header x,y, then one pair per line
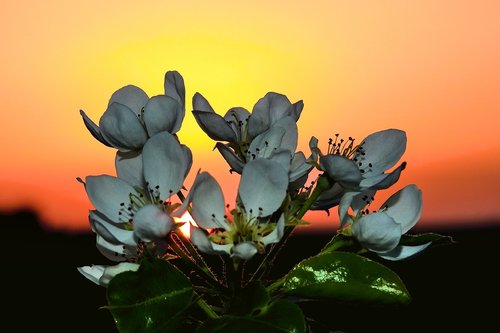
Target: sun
x,y
188,221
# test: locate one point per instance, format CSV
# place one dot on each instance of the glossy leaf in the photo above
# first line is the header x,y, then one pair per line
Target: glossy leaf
x,y
345,276
153,299
279,317
421,239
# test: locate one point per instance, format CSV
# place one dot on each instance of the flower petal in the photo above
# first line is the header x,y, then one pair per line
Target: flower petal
x,y
299,166
402,252
382,150
114,252
277,233
235,163
296,110
244,251
405,206
330,198
201,241
237,118
267,111
94,129
111,271
264,144
110,232
341,170
174,87
262,186
129,167
121,127
207,202
383,181
107,194
164,164
377,232
93,272
188,156
283,157
161,113
200,103
289,140
151,223
344,204
215,126
132,97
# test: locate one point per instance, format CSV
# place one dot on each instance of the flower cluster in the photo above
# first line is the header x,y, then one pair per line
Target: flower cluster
x,y
135,216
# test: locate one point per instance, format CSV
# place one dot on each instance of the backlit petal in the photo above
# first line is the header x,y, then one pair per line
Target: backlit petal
x,y
131,96
152,223
405,206
161,113
377,232
207,202
245,250
129,167
341,170
402,252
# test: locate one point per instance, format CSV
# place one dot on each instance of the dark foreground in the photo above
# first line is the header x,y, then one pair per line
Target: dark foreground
x,y
455,288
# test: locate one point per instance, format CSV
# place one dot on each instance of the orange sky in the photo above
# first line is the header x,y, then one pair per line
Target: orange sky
x,y
429,68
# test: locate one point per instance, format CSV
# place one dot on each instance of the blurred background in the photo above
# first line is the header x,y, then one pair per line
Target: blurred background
x,y
429,68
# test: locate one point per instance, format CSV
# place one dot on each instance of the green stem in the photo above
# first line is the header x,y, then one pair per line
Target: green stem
x,y
276,284
324,183
206,308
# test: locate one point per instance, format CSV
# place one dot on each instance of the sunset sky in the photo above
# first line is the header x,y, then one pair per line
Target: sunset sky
x,y
430,68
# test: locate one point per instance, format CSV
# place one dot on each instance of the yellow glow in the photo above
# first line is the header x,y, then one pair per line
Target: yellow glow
x,y
188,221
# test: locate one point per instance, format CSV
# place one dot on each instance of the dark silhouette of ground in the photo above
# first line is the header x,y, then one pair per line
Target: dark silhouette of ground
x,y
455,288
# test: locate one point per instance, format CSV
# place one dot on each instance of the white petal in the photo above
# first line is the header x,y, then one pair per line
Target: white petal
x,y
329,198
111,271
164,164
264,144
94,129
344,204
402,252
277,233
174,87
289,140
161,113
296,110
201,241
341,170
271,108
188,156
200,103
361,200
110,232
387,180
107,194
93,273
131,96
152,223
235,163
245,250
283,157
237,118
382,149
377,232
114,252
207,202
299,166
215,126
129,167
315,151
405,206
121,127
262,187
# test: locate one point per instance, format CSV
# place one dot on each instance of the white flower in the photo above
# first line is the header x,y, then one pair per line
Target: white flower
x,y
125,214
270,131
101,274
381,231
355,169
132,117
251,227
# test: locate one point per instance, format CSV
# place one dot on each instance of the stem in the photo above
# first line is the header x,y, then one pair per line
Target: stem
x,y
276,284
206,308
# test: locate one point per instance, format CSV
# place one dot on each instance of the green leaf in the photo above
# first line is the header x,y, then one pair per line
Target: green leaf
x,y
420,239
153,299
345,276
279,317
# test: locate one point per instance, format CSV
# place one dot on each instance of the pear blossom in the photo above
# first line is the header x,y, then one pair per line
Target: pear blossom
x,y
358,168
132,117
252,224
102,274
381,231
128,219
